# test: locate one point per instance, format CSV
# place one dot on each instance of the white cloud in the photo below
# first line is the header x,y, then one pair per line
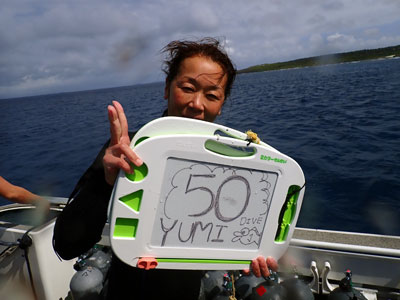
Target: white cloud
x,y
65,46
337,40
371,32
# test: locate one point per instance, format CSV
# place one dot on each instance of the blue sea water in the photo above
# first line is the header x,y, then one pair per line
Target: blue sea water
x,y
339,122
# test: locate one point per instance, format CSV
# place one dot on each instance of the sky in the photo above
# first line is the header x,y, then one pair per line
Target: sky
x,y
53,46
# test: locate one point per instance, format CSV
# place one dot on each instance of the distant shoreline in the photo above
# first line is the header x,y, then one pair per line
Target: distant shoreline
x,y
388,52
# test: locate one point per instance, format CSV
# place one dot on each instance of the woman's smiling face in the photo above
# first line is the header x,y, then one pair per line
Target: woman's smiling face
x,y
198,90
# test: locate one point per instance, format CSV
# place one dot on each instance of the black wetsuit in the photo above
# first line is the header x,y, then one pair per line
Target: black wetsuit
x,y
79,228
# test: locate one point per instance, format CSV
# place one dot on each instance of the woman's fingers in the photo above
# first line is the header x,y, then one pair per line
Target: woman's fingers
x,y
130,155
119,157
115,126
118,124
255,267
272,263
118,154
262,262
246,271
260,266
112,163
122,120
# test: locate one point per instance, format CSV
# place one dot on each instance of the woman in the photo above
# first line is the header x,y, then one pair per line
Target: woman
x,y
199,79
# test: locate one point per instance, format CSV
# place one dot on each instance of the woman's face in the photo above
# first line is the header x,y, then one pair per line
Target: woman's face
x,y
198,90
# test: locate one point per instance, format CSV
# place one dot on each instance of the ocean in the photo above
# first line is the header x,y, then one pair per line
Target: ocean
x,y
339,122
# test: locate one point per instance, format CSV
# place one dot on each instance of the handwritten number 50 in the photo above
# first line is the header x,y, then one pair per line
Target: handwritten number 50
x,y
215,203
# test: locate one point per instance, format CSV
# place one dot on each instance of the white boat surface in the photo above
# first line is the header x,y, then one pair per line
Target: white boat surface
x,y
320,257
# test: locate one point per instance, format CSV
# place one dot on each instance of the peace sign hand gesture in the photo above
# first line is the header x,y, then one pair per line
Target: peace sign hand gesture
x,y
118,155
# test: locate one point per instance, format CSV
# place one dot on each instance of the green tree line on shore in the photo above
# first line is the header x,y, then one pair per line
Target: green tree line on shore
x,y
388,52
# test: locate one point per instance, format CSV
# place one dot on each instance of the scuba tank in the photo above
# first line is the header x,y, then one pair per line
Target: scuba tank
x,y
296,289
269,289
92,267
345,290
212,282
100,260
245,284
86,284
219,285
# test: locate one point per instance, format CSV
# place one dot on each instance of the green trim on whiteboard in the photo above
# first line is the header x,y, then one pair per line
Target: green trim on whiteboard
x,y
125,227
133,200
141,140
203,261
228,150
287,213
226,134
139,173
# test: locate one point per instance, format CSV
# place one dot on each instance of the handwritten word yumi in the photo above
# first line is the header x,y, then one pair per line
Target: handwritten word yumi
x,y
214,232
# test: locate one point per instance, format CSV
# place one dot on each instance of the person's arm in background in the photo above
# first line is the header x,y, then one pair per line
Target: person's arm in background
x,y
21,195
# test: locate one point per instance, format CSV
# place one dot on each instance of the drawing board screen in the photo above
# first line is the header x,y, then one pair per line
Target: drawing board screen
x,y
206,205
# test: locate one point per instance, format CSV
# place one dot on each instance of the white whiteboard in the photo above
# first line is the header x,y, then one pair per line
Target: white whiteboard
x,y
206,202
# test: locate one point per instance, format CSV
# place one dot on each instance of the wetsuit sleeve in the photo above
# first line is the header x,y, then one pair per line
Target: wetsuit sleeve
x,y
80,224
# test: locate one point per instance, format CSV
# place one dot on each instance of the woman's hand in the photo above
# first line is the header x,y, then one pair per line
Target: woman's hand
x,y
118,155
261,266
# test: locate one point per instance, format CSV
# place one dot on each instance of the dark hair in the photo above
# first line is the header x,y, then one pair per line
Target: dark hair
x,y
177,51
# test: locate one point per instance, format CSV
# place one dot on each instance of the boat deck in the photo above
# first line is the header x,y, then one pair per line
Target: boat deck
x,y
318,256
348,238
